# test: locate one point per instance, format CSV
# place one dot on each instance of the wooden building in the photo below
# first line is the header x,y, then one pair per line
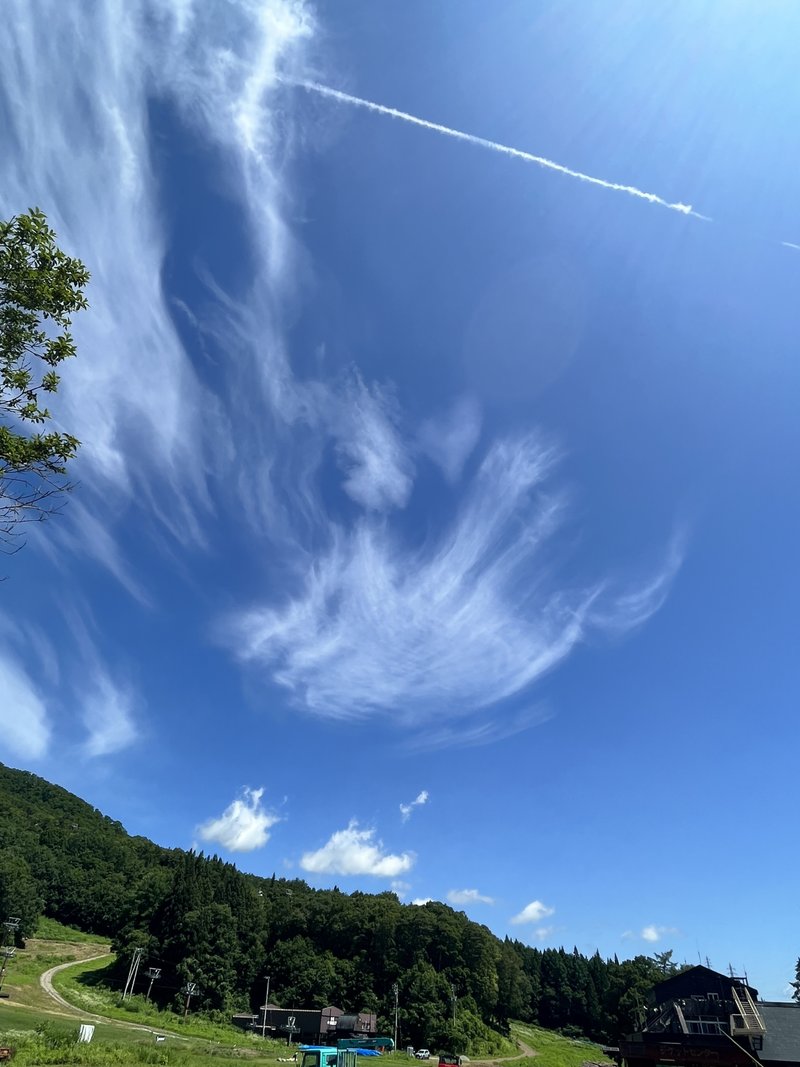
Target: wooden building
x,y
701,1018
310,1026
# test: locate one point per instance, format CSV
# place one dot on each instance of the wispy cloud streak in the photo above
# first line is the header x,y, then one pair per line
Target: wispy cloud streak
x,y
438,632
493,146
108,717
24,722
78,125
468,896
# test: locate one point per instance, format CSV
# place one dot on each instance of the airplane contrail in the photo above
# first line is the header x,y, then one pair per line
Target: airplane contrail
x,y
493,146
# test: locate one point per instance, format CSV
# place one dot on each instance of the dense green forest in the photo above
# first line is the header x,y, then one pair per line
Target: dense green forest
x,y
203,920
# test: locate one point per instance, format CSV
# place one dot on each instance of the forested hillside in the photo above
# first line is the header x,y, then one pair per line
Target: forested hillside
x,y
201,919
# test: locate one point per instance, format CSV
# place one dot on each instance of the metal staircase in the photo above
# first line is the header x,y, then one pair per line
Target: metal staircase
x,y
680,1017
747,1020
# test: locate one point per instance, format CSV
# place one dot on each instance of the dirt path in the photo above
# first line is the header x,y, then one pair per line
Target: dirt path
x,y
46,982
526,1051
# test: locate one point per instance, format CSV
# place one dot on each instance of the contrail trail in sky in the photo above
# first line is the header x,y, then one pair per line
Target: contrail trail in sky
x,y
482,142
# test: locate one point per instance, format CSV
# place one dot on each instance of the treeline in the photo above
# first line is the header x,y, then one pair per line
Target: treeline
x,y
202,920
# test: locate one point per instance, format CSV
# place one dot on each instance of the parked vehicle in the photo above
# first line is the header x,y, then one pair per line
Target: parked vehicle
x,y
319,1056
423,1054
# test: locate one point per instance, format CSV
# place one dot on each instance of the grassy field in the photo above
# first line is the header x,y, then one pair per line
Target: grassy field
x,y
22,978
554,1050
53,930
83,986
44,1033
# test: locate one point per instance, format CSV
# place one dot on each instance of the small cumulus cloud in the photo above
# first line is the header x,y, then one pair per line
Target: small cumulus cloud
x,y
533,913
354,851
654,933
243,826
468,896
651,933
543,932
420,799
400,887
421,901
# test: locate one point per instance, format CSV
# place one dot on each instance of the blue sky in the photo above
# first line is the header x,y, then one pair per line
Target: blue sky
x,y
464,479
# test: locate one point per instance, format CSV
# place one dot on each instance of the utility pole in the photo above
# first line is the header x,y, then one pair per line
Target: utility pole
x,y
189,989
152,974
396,991
8,949
266,1005
454,999
133,972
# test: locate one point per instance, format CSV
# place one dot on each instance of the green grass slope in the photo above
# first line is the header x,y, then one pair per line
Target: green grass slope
x,y
554,1050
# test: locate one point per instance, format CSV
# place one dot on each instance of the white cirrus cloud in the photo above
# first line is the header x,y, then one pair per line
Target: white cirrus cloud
x,y
448,627
108,716
420,800
479,730
355,851
533,913
82,138
449,439
24,722
400,887
379,473
427,632
468,896
243,826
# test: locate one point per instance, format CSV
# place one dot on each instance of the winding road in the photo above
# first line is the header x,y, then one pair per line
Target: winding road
x,y
46,982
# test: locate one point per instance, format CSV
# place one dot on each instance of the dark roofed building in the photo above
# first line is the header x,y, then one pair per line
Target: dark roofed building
x,y
697,981
359,1024
310,1026
313,1026
702,1018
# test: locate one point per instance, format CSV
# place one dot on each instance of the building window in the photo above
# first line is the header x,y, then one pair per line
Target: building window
x,y
704,1026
